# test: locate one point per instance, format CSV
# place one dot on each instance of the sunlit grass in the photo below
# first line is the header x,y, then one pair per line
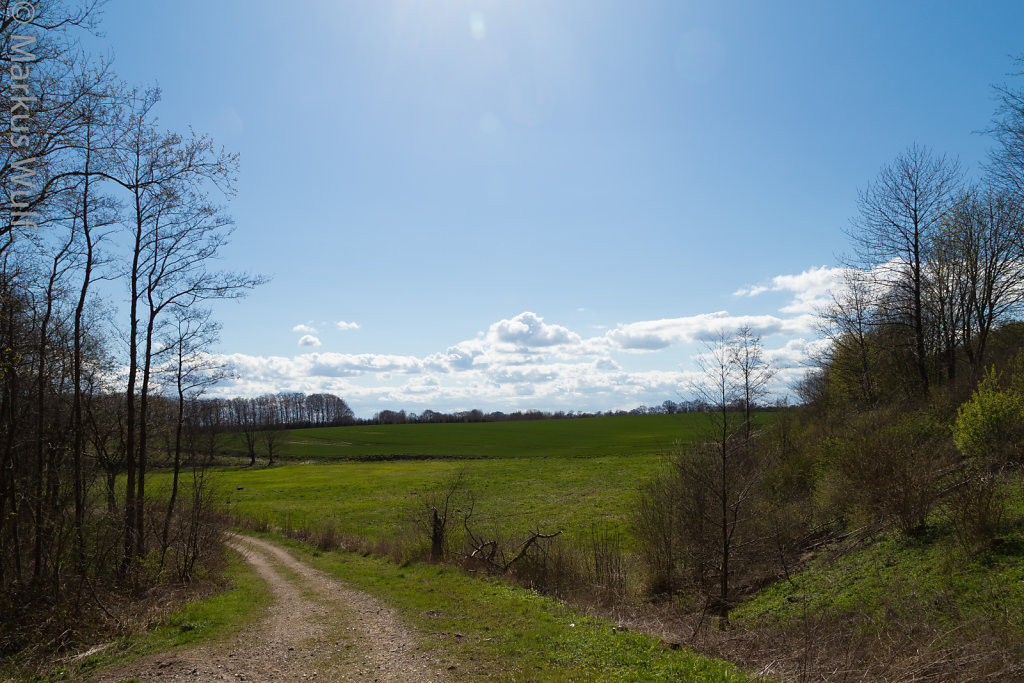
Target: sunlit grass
x,y
372,500
491,630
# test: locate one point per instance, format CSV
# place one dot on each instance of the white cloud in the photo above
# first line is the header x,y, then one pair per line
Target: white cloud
x,y
751,291
654,335
527,362
347,364
528,330
811,289
344,326
793,355
301,327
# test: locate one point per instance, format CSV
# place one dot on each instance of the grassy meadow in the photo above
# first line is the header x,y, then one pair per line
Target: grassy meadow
x,y
550,475
582,437
374,500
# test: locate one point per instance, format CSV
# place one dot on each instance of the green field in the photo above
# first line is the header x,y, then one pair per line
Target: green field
x,y
569,475
581,437
552,475
372,500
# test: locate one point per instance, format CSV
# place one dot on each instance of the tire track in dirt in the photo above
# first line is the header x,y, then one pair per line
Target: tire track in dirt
x,y
316,629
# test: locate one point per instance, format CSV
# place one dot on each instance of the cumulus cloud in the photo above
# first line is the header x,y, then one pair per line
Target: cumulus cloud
x,y
528,362
528,330
344,326
653,335
302,327
811,289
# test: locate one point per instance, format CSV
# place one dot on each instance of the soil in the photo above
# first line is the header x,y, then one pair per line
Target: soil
x,y
317,629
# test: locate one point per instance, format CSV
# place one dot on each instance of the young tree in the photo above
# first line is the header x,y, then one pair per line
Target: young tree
x,y
192,372
753,371
708,488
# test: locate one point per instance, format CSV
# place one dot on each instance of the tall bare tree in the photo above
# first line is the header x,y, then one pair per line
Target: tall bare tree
x,y
988,232
899,215
753,371
191,371
175,231
1006,160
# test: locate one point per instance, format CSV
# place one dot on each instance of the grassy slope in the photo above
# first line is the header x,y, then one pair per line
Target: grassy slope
x,y
928,582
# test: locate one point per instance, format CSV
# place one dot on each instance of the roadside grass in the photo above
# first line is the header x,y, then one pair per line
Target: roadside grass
x,y
490,630
373,500
203,622
577,437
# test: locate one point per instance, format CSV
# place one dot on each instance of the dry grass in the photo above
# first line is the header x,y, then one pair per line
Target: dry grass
x,y
840,650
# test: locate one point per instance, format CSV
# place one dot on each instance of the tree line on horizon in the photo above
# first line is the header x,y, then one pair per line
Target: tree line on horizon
x,y
296,410
667,407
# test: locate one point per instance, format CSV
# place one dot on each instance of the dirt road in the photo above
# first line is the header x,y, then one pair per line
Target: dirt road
x,y
317,629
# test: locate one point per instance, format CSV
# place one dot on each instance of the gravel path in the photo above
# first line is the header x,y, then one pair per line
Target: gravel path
x,y
317,629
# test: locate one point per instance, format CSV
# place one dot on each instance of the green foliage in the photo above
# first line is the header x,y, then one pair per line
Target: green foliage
x,y
990,425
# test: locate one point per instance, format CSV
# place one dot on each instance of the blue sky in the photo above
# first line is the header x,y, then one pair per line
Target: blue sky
x,y
547,205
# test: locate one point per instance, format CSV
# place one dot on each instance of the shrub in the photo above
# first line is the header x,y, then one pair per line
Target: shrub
x,y
887,467
990,426
989,432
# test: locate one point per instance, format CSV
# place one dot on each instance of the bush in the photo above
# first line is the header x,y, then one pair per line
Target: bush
x,y
976,508
989,432
887,467
990,426
655,522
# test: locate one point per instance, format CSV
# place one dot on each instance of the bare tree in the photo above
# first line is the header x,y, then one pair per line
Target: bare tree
x,y
175,231
245,419
273,436
717,477
48,81
754,373
1006,159
899,215
986,242
91,213
192,372
849,322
